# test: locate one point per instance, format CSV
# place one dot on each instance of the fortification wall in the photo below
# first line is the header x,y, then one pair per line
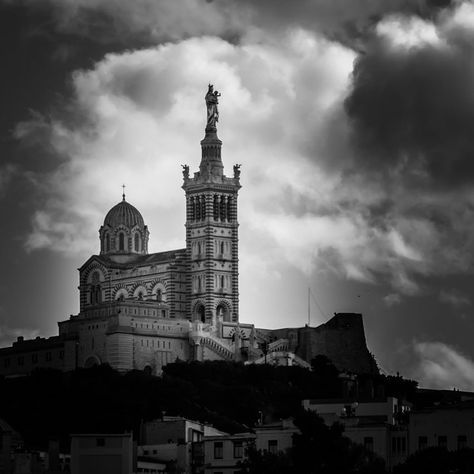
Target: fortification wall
x,y
341,339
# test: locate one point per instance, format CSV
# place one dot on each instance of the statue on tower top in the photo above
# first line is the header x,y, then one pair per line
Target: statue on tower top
x,y
211,103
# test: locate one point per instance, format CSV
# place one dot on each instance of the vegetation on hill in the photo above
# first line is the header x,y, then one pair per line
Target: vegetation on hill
x,y
438,461
231,396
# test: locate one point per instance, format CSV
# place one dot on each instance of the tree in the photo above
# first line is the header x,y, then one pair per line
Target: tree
x,y
437,460
317,449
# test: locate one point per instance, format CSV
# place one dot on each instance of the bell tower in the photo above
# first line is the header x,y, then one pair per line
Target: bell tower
x,y
212,230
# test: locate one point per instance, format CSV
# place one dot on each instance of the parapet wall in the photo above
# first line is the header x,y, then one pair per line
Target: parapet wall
x,y
341,339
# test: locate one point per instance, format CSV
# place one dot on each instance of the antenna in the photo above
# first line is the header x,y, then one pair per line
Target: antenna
x,y
311,295
309,306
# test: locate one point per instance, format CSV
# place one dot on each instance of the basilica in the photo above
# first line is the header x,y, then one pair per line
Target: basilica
x,y
141,310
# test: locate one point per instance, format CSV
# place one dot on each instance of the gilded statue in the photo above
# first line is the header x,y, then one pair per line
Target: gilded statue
x,y
212,110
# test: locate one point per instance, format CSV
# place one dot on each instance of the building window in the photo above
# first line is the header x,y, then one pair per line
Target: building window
x,y
159,295
462,441
216,208
238,449
191,206
6,363
223,208
272,446
21,360
107,242
34,358
218,450
100,442
442,441
369,443
422,442
48,356
137,243
229,208
61,355
198,208
121,242
203,207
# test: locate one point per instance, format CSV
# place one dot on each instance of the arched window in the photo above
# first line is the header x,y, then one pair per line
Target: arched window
x,y
223,208
95,278
222,312
201,313
222,248
121,241
222,281
159,295
199,248
96,294
229,208
107,242
216,207
203,207
191,205
137,242
198,208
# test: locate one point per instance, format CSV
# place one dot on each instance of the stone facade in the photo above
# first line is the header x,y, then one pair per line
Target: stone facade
x,y
141,310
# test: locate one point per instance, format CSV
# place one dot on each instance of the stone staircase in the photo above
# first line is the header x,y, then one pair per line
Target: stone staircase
x,y
275,356
217,346
278,345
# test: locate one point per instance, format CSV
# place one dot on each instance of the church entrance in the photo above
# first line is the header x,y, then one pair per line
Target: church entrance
x,y
200,313
222,312
92,361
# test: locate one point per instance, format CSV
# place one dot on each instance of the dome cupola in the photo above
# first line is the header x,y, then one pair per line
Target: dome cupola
x,y
125,214
124,231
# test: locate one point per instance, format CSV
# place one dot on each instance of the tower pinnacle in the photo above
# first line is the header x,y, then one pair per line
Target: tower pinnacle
x,y
211,166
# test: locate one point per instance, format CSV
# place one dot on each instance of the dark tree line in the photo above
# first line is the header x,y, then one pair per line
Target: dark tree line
x,y
317,449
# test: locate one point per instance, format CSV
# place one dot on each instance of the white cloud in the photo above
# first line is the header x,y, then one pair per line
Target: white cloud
x,y
406,32
440,366
136,107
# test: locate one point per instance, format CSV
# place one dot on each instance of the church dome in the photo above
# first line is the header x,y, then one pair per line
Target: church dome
x,y
124,214
124,231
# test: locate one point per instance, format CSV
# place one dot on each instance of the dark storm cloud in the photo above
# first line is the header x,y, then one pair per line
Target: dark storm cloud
x,y
411,110
344,20
150,21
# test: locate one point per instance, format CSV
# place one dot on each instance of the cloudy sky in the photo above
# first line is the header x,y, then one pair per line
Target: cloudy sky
x,y
353,122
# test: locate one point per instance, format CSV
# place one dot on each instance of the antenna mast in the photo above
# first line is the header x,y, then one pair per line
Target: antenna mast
x,y
309,306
